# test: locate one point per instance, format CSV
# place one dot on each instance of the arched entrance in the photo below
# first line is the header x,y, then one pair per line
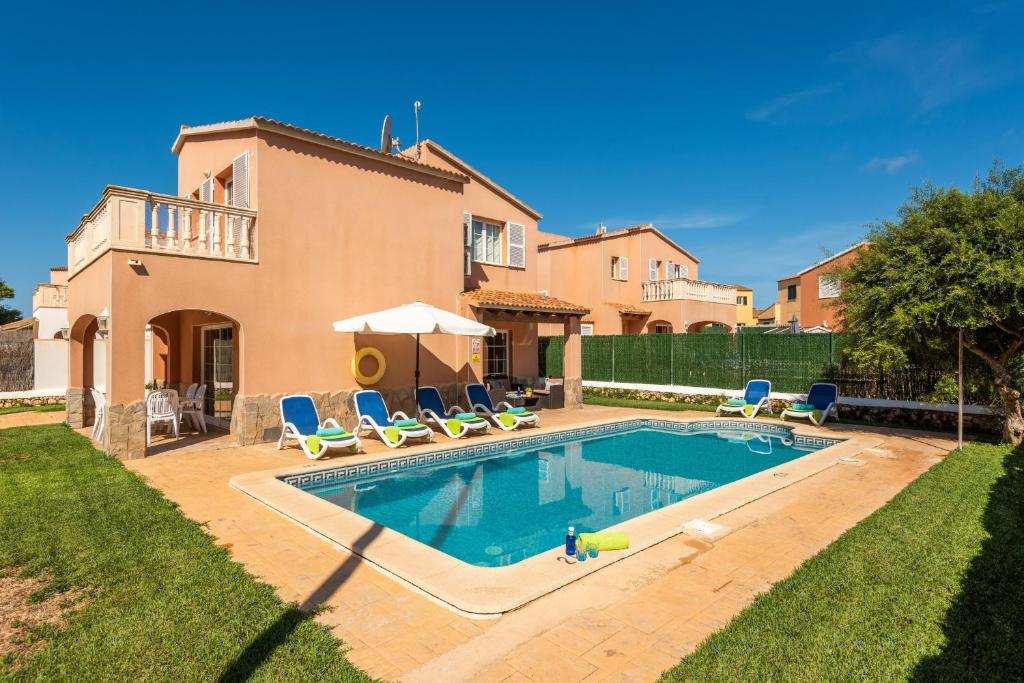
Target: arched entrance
x,y
189,346
659,327
708,327
87,370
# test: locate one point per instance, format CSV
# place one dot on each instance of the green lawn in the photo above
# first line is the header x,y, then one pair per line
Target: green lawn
x,y
644,404
928,588
52,408
165,603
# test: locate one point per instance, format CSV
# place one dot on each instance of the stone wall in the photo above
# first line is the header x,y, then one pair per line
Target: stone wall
x,y
33,401
257,419
125,435
79,408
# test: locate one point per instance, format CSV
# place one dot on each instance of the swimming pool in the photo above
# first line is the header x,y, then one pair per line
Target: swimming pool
x,y
502,502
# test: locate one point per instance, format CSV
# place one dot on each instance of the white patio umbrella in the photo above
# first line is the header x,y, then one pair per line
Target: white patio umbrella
x,y
415,318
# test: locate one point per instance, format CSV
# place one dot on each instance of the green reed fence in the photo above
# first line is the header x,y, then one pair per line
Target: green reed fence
x,y
723,361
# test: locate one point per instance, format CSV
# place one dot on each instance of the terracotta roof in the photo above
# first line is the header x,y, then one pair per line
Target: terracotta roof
x,y
482,178
612,234
629,309
522,301
262,123
22,324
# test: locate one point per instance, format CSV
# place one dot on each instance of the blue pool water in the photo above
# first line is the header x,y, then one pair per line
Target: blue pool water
x,y
499,509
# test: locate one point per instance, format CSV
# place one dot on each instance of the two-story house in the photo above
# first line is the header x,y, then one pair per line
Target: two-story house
x,y
810,294
273,233
634,280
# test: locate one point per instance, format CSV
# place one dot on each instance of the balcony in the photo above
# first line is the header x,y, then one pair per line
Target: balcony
x,y
136,220
50,296
685,289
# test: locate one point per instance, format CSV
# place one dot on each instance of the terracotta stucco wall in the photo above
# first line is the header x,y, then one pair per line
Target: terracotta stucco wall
x,y
813,309
581,273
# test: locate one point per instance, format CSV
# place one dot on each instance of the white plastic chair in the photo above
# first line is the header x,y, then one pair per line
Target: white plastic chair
x,y
162,406
192,407
190,394
100,419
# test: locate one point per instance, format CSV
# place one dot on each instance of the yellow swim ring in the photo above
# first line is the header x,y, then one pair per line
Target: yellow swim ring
x,y
373,353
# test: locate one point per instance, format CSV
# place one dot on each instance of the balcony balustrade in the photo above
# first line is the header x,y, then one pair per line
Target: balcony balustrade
x,y
137,220
685,289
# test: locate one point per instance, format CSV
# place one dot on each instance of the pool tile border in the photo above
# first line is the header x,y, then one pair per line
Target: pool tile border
x,y
488,592
348,473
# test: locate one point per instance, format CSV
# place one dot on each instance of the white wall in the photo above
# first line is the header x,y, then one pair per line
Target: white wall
x,y
99,365
51,365
50,320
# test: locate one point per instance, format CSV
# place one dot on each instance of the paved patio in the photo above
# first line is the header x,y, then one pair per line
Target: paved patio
x,y
629,621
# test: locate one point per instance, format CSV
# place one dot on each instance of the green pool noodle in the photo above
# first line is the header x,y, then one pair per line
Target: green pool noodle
x,y
606,540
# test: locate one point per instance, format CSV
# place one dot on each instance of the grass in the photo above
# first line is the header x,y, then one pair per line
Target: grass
x,y
164,603
51,408
928,588
646,404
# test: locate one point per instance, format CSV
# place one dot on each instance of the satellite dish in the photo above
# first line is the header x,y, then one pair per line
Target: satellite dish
x,y
385,135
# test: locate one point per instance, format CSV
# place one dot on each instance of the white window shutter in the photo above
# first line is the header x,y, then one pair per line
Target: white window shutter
x,y
206,190
684,271
516,245
206,195
652,269
467,243
624,268
240,181
669,272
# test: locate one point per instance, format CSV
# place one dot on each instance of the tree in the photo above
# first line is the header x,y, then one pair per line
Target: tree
x,y
7,314
953,260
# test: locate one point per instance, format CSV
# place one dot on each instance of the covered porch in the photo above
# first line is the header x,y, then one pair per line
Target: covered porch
x,y
509,359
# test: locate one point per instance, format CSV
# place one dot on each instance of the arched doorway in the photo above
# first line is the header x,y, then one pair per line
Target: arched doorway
x,y
87,370
659,327
189,346
708,327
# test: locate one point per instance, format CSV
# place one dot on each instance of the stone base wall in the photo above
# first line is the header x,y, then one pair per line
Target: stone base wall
x,y
257,419
573,389
125,435
75,400
33,401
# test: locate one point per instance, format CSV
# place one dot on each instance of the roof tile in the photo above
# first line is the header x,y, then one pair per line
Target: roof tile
x,y
522,301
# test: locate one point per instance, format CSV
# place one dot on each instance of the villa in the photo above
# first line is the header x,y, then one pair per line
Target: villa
x,y
808,295
634,280
273,233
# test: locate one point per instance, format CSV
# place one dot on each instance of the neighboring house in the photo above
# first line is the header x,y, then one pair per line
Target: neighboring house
x,y
273,233
47,329
810,294
769,315
744,306
634,280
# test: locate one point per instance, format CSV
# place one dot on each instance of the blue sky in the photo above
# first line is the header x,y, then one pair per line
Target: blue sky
x,y
757,136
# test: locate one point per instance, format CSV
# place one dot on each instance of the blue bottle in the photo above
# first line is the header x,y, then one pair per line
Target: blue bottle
x,y
570,541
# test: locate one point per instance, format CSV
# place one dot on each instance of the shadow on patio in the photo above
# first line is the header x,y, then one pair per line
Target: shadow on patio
x,y
984,627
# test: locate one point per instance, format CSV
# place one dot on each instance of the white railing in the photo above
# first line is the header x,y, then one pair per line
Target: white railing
x,y
50,296
136,220
688,290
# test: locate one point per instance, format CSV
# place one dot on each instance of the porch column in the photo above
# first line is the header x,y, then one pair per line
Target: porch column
x,y
572,363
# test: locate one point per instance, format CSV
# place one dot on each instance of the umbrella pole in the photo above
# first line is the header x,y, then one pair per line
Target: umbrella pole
x,y
416,392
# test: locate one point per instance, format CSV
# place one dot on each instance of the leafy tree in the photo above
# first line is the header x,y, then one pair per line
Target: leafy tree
x,y
7,314
953,260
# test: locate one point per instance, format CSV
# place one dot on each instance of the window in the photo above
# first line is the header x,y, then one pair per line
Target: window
x,y
828,286
652,269
587,330
791,293
675,270
496,355
683,271
620,268
487,242
662,328
741,300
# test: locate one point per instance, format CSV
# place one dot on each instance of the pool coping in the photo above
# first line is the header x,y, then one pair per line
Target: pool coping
x,y
488,592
